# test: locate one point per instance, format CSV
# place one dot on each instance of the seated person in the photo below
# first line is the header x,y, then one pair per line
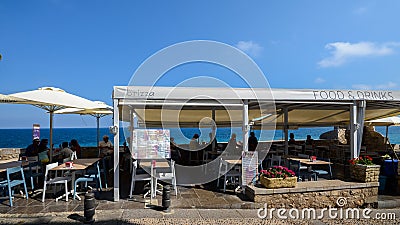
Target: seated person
x,y
65,151
234,148
33,149
194,143
291,139
76,147
106,147
43,145
43,151
309,140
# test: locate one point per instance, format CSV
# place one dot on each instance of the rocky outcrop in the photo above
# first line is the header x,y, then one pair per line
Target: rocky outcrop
x,y
335,134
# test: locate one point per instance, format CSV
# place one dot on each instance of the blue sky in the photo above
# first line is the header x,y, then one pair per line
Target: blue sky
x,y
87,47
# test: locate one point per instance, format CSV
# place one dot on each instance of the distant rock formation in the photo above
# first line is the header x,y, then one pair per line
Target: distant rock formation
x,y
335,134
373,140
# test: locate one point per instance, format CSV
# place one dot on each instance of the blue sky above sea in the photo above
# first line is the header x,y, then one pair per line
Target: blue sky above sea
x,y
87,47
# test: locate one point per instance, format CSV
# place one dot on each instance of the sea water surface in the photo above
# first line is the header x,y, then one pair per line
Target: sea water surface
x,y
21,138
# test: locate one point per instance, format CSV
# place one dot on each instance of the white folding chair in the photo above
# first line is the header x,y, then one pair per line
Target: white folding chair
x,y
276,160
168,176
138,177
73,156
55,180
227,173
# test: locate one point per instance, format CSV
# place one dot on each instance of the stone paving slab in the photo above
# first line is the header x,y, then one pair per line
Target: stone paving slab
x,y
178,216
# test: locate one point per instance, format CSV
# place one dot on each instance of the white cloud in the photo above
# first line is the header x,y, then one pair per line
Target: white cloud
x,y
250,47
343,52
319,80
388,85
362,86
360,10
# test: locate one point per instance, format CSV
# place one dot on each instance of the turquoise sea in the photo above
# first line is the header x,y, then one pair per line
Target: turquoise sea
x,y
21,138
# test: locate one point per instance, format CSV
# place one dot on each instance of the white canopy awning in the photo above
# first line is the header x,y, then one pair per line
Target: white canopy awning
x,y
191,106
305,107
388,121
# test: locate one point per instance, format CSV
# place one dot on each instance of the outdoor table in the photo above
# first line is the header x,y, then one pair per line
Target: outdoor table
x,y
78,164
4,164
234,161
309,163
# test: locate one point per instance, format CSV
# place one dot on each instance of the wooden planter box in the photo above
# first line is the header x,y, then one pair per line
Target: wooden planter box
x,y
278,182
365,173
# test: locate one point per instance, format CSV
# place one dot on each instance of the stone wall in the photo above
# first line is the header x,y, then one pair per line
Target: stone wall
x,y
9,153
365,173
319,196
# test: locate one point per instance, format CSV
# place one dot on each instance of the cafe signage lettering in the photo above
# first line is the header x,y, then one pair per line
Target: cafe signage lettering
x,y
352,95
139,93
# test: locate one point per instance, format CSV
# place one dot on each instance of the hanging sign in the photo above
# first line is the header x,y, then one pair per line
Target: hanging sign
x,y
36,131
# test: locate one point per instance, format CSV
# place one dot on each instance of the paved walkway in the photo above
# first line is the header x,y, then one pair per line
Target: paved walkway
x,y
184,216
193,205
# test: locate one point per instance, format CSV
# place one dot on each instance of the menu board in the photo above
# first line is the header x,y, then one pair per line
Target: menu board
x,y
150,144
249,167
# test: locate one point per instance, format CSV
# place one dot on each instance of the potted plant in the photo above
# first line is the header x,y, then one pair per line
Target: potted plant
x,y
278,177
363,169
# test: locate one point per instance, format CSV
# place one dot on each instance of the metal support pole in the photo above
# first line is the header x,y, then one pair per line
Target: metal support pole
x,y
116,151
51,135
214,130
386,138
360,121
98,132
286,129
245,126
353,131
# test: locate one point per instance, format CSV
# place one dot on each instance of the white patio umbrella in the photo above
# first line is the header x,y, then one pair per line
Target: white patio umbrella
x,y
10,99
102,110
52,99
388,121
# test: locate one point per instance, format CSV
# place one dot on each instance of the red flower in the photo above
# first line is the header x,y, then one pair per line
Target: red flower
x,y
367,160
277,172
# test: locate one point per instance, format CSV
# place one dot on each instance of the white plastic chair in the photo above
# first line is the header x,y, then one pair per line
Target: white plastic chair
x,y
224,171
138,177
168,176
276,160
73,156
55,180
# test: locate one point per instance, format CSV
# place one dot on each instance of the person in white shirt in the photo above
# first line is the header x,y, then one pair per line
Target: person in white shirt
x,y
65,151
106,147
194,142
